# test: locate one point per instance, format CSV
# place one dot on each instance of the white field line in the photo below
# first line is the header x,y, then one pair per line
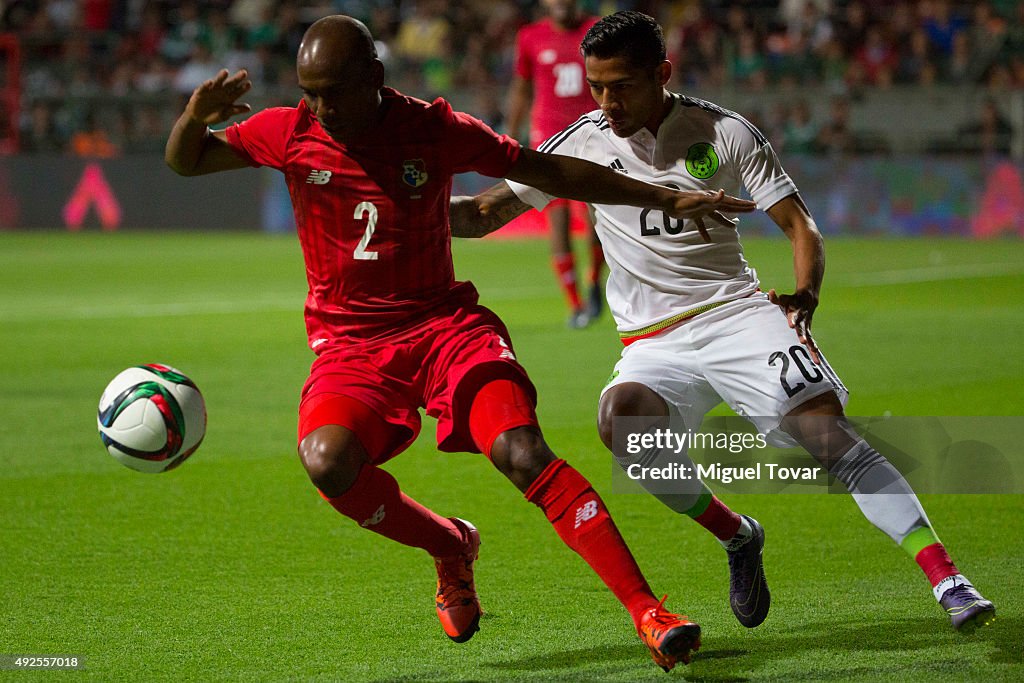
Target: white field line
x,y
185,308
150,310
288,304
964,271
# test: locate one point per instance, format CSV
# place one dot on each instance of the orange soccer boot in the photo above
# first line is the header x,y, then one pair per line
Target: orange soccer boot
x,y
670,637
458,606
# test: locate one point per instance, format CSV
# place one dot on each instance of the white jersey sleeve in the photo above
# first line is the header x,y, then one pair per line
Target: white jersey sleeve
x,y
660,270
571,141
762,174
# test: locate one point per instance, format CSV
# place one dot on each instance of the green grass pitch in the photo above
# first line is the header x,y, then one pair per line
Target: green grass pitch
x,y
232,568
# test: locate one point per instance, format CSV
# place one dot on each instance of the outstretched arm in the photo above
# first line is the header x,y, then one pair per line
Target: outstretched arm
x,y
585,181
483,214
793,217
192,148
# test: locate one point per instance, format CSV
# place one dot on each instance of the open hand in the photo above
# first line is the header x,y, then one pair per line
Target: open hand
x,y
799,309
215,100
698,205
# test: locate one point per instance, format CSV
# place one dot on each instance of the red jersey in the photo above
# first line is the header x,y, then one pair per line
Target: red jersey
x,y
550,58
372,216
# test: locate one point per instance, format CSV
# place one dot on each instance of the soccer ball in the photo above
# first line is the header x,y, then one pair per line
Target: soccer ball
x,y
151,418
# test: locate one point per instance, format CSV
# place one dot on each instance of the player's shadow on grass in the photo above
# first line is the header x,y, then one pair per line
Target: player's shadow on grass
x,y
867,637
618,654
569,659
1007,634
725,665
904,634
425,678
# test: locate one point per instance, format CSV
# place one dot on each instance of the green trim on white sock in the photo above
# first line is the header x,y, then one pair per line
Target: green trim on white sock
x,y
703,501
919,539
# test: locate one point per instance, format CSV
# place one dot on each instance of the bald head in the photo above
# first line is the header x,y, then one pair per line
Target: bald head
x,y
334,46
340,76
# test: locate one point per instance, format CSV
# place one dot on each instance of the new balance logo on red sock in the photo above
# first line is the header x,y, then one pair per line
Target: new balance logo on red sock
x,y
585,512
377,517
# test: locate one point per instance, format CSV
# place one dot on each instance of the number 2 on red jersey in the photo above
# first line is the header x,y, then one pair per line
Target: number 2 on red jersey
x,y
370,211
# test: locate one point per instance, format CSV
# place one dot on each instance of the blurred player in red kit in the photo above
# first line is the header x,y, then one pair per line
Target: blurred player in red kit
x,y
549,70
370,173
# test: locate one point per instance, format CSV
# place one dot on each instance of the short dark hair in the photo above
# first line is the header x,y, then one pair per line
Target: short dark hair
x,y
629,34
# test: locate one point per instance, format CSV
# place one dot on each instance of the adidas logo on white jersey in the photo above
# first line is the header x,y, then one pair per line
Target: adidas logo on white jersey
x,y
617,166
318,177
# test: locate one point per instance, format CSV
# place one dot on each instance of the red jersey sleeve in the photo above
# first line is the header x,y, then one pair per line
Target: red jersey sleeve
x,y
263,137
474,146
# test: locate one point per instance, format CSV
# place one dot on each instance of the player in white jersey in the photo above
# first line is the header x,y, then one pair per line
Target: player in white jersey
x,y
696,326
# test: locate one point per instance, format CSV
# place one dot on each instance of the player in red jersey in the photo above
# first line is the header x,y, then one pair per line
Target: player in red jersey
x,y
370,171
549,69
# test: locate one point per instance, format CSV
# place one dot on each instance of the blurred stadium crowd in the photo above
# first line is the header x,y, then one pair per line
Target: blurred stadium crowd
x,y
108,77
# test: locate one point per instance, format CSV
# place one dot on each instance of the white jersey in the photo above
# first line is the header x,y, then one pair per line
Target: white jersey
x,y
660,270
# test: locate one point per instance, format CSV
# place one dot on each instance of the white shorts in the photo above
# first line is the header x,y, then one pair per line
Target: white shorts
x,y
743,353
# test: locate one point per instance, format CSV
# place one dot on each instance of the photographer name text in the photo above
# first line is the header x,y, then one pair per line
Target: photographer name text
x,y
724,474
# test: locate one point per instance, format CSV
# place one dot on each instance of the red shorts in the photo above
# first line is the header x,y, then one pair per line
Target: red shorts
x,y
439,364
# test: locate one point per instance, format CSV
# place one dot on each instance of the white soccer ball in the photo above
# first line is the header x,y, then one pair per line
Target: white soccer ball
x,y
151,418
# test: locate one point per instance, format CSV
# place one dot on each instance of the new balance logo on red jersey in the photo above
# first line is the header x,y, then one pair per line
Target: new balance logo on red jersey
x,y
616,165
377,517
585,512
318,177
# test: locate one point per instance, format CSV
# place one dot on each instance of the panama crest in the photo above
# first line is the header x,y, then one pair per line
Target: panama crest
x,y
702,160
414,172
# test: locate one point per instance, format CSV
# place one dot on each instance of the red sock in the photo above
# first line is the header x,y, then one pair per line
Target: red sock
x,y
374,501
719,520
565,268
596,263
582,521
934,561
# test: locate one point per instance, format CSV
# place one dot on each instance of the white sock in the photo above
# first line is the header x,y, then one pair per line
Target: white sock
x,y
880,491
950,582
